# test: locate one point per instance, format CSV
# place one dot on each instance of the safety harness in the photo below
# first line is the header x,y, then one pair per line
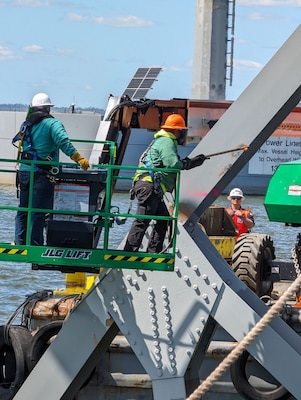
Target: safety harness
x,y
24,134
149,176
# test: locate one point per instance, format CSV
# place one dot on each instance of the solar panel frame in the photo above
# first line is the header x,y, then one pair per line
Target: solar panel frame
x,y
141,82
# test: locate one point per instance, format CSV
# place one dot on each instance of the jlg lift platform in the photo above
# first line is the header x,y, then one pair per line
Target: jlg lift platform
x,y
79,225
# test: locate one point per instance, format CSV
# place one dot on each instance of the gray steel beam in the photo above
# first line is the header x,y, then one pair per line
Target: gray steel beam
x,y
237,310
148,309
67,363
250,120
164,315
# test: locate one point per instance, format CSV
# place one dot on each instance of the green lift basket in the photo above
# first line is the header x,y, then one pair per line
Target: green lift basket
x,y
77,240
283,197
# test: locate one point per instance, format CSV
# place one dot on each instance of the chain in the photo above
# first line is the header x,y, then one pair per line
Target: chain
x,y
297,267
296,262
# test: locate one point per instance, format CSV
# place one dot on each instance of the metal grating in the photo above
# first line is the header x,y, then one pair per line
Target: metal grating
x,y
141,82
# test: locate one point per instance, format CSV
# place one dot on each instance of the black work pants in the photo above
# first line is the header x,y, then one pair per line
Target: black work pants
x,y
149,203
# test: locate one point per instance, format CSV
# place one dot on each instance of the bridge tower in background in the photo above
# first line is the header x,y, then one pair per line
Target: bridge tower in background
x,y
213,49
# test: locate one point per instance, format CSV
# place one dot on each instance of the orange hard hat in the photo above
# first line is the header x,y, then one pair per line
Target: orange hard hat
x,y
174,121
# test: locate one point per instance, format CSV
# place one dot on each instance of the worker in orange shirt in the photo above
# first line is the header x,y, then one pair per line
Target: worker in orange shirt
x,y
243,218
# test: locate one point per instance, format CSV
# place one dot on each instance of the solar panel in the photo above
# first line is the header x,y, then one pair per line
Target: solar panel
x,y
141,82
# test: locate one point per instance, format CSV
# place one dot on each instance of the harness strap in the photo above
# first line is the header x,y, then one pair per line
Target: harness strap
x,y
29,156
25,134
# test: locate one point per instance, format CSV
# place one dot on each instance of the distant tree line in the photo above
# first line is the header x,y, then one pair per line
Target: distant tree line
x,y
77,110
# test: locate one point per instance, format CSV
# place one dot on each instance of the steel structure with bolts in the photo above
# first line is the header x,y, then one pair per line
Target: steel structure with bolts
x,y
169,318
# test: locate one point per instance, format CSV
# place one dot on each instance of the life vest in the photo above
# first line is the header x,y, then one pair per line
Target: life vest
x,y
239,221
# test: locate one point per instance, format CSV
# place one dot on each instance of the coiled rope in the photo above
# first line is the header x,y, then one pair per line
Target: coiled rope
x,y
254,332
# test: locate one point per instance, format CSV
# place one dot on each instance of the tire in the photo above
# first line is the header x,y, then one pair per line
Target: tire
x,y
41,340
252,252
241,383
13,356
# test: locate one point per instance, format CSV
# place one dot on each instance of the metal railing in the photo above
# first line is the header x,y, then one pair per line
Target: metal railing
x,y
96,221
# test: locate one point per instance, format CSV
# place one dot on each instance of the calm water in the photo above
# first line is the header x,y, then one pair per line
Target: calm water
x,y
18,280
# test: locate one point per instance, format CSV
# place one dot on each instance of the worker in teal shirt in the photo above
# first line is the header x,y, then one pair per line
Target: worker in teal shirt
x,y
41,136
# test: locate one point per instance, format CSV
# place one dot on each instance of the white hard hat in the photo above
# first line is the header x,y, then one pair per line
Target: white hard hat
x,y
236,192
40,100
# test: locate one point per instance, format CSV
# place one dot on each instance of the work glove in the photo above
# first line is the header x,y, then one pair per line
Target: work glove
x,y
189,163
83,162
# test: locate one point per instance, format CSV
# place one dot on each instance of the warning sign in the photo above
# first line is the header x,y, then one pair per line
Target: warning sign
x,y
71,197
276,150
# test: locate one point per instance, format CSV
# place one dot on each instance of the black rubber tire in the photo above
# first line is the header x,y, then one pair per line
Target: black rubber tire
x,y
41,341
246,390
250,261
13,356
